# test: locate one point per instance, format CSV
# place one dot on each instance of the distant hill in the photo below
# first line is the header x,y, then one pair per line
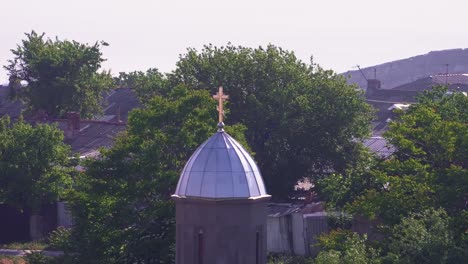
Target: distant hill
x,y
400,72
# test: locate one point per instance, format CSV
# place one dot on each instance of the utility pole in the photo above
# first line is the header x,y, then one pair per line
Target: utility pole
x,y
363,75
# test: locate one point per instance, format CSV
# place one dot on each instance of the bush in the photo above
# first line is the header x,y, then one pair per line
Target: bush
x,y
335,240
36,258
339,220
60,239
328,257
40,258
65,259
287,259
344,246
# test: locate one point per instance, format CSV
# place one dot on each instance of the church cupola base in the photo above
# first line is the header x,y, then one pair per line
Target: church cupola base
x,y
221,231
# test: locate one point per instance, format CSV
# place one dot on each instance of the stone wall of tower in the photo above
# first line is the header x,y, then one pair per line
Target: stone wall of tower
x,y
221,231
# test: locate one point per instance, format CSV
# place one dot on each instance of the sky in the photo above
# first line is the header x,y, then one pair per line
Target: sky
x,y
339,34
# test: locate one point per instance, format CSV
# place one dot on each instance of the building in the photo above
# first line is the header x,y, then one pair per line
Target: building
x,y
85,136
294,228
401,97
221,204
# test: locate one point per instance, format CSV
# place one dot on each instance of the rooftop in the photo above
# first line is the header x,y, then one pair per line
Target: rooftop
x,y
380,146
221,169
92,134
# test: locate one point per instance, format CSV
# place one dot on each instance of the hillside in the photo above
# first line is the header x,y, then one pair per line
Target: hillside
x,y
400,72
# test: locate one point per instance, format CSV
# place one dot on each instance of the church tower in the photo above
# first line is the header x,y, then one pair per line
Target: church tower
x,y
221,204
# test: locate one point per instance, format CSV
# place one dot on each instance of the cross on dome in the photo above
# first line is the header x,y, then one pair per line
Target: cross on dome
x,y
220,97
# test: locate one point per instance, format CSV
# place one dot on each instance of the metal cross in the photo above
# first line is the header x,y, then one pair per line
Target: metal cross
x,y
220,97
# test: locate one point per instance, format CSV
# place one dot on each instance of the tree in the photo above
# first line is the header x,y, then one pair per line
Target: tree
x,y
302,121
424,238
34,165
145,84
427,171
434,133
402,187
429,167
122,206
61,75
338,189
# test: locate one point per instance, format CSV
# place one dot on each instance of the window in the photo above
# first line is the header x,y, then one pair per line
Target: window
x,y
257,247
200,247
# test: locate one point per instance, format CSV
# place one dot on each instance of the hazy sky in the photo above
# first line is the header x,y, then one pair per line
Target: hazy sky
x,y
338,33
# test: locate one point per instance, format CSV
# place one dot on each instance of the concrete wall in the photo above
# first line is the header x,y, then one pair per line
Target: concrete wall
x,y
64,217
298,234
295,233
36,227
315,225
278,236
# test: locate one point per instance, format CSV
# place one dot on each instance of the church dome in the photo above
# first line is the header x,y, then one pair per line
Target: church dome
x,y
221,169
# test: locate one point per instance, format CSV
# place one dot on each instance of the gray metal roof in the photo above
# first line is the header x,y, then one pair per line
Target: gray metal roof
x,y
380,146
221,168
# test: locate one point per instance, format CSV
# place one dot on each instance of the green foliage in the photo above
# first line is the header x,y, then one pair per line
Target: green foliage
x,y
424,238
398,194
335,240
451,106
36,258
337,189
145,84
60,239
122,208
328,257
287,259
343,246
34,164
40,258
434,133
459,227
33,245
339,220
302,121
61,75
429,168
